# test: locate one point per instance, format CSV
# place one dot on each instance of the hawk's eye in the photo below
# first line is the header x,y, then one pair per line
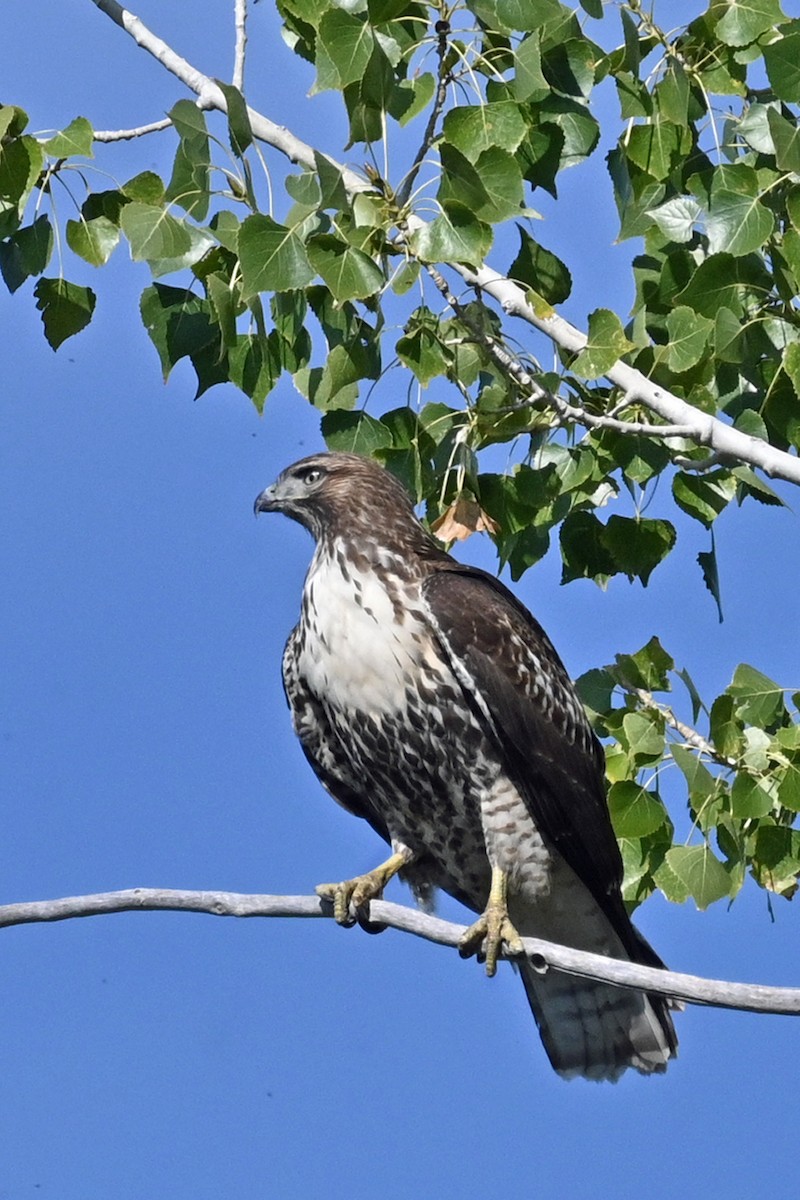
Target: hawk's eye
x,y
310,475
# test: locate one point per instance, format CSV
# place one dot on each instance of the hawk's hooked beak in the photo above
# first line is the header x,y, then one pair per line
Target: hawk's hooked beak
x,y
267,501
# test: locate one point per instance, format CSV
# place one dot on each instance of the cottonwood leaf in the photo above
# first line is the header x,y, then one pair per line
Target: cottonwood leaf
x,y
66,308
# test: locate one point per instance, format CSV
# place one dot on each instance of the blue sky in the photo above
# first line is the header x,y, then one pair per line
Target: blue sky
x,y
146,742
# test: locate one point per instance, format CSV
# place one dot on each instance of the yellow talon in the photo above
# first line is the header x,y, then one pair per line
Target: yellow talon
x,y
493,929
352,895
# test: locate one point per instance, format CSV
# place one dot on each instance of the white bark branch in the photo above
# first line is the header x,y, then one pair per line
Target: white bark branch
x,y
211,96
240,18
706,430
544,955
124,135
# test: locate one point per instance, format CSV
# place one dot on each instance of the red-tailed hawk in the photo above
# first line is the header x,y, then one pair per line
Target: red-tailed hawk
x,y
430,702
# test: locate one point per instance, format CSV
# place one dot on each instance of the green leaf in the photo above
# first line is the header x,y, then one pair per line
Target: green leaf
x,y
750,797
478,127
146,187
21,163
737,222
76,139
672,92
694,695
594,688
776,858
655,147
153,233
502,181
569,67
644,734
66,308
638,545
689,336
347,42
704,496
580,129
786,138
583,551
273,258
759,700
700,872
527,15
410,97
189,183
538,268
349,273
635,812
223,301
460,180
355,433
254,367
648,668
606,345
13,120
782,60
700,781
529,82
725,727
454,236
239,131
93,240
676,218
420,348
745,20
26,252
723,281
180,324
707,561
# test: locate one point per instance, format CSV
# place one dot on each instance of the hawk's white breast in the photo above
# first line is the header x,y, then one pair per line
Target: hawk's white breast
x,y
361,650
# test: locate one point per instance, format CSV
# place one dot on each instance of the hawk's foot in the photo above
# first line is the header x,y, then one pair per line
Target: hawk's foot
x,y
350,897
493,929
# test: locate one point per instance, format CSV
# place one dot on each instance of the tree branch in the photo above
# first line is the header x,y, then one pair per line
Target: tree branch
x,y
124,135
240,11
705,429
543,955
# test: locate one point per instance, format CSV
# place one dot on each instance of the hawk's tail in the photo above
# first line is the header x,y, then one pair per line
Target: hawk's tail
x,y
592,1030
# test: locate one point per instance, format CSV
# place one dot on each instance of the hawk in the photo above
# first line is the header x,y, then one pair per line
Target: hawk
x,y
431,703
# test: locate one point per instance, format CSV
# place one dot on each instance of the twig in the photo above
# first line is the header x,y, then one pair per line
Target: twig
x,y
240,17
511,365
124,135
687,733
543,955
429,135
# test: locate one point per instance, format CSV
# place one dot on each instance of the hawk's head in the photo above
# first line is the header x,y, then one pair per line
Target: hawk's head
x,y
342,494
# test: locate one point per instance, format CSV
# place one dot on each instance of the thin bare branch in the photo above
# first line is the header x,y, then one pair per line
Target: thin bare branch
x,y
443,76
240,18
124,135
543,955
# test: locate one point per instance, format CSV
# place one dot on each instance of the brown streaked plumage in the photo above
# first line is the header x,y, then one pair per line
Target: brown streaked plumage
x,y
431,703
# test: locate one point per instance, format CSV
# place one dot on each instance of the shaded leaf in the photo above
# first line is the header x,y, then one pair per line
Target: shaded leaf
x,y
66,308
